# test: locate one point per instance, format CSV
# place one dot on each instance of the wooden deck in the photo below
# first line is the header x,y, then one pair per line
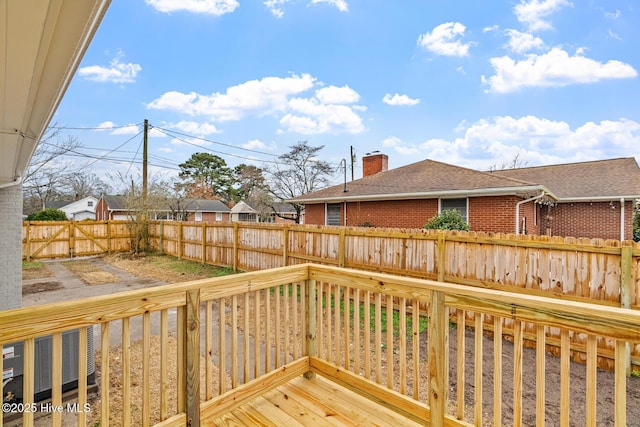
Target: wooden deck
x,y
314,402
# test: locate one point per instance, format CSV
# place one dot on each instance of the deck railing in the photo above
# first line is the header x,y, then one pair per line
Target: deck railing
x,y
386,337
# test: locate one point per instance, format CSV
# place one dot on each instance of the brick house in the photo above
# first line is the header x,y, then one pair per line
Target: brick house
x,y
588,199
114,208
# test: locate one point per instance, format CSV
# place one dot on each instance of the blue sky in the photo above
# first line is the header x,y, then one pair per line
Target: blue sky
x,y
464,82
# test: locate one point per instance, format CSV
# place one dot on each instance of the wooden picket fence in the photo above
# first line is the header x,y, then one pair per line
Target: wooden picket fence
x,y
587,270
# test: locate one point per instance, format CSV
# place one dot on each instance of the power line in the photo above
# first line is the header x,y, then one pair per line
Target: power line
x,y
169,133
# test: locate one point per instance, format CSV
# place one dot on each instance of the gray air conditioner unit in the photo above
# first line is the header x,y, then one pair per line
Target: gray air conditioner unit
x,y
13,366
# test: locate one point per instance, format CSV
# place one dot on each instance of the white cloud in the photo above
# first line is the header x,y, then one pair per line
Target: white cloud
x,y
310,116
114,129
126,130
276,7
445,40
167,149
397,99
254,144
261,97
190,141
400,146
494,27
329,109
552,69
340,4
195,128
613,35
523,42
533,13
116,72
337,95
536,140
612,15
210,7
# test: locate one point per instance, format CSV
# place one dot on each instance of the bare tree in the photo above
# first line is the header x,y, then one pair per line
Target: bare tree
x,y
299,172
515,163
48,173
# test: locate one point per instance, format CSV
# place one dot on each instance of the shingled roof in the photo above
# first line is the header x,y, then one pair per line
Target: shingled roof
x,y
610,179
598,180
424,179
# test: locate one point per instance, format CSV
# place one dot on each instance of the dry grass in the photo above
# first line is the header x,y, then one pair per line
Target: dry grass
x,y
35,270
90,273
116,384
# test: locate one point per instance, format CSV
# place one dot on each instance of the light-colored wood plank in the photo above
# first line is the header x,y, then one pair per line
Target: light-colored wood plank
x,y
592,380
56,377
389,344
437,352
478,317
497,371
164,365
541,353
105,374
621,383
372,397
565,396
244,393
126,371
82,373
460,371
517,373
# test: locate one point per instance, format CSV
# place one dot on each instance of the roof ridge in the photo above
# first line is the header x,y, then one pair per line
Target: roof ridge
x,y
567,164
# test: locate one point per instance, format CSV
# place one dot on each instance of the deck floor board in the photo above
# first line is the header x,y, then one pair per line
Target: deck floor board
x,y
316,402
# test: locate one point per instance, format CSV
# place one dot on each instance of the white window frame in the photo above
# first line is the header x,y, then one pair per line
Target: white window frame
x,y
466,208
218,216
199,216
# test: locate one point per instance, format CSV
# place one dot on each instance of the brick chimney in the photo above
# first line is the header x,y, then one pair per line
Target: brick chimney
x,y
374,163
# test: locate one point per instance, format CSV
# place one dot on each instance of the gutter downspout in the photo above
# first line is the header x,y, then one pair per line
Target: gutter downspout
x,y
621,219
518,209
17,181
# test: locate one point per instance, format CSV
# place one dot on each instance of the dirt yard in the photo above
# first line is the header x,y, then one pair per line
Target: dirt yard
x,y
170,270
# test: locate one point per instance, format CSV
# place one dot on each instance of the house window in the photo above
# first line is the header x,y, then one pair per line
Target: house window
x,y
164,216
90,203
247,217
333,214
459,205
218,216
198,216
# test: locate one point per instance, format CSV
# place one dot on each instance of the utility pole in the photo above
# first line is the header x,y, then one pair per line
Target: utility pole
x,y
144,166
145,208
353,161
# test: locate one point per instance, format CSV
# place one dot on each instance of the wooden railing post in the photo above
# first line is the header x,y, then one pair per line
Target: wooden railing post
x,y
627,288
310,321
192,359
437,353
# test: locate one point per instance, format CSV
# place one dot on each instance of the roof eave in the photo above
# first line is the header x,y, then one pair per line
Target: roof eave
x,y
501,191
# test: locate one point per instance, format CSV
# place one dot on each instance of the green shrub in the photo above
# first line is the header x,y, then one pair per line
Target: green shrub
x,y
449,219
49,214
636,226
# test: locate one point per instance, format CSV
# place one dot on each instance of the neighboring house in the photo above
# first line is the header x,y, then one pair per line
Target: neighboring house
x,y
588,199
246,212
77,210
114,208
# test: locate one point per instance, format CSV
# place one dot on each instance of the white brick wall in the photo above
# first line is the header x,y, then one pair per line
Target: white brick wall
x,y
10,247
